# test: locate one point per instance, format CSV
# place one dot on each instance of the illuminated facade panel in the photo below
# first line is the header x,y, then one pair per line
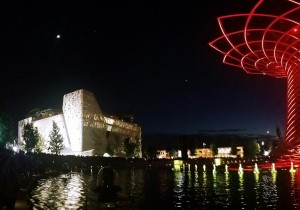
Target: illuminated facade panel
x,y
203,153
267,41
224,152
73,113
85,129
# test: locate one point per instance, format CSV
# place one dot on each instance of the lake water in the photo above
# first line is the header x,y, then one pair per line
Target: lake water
x,y
168,189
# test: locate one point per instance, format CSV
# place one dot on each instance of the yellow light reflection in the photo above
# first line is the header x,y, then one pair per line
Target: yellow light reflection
x,y
274,175
256,177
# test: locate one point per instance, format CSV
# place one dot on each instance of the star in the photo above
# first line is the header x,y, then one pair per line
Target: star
x,y
57,36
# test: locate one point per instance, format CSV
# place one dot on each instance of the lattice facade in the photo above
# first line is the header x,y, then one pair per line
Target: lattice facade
x,y
266,41
85,129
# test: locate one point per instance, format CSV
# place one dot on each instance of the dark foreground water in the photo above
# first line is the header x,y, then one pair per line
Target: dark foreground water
x,y
167,189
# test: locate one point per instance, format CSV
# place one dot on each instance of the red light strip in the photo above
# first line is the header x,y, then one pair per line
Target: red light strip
x,y
248,21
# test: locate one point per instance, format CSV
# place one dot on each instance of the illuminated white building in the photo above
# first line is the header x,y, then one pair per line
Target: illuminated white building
x,y
83,126
203,153
226,152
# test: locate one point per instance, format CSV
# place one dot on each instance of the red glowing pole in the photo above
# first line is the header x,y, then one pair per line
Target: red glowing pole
x,y
267,42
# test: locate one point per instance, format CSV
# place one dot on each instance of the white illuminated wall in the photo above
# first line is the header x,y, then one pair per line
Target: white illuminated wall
x,y
45,126
72,110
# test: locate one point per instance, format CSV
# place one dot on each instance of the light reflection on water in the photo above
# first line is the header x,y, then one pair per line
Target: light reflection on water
x,y
62,192
167,189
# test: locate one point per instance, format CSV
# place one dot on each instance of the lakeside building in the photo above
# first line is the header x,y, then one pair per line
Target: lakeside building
x,y
162,154
86,130
203,153
226,152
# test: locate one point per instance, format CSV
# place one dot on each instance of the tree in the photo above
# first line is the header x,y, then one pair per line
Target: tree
x,y
110,149
31,137
56,143
192,147
40,145
5,127
150,152
233,148
252,148
129,147
214,148
173,153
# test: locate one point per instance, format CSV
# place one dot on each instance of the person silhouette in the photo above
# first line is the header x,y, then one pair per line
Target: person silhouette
x,y
107,187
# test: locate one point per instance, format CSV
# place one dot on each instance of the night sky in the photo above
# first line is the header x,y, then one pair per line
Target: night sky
x,y
148,58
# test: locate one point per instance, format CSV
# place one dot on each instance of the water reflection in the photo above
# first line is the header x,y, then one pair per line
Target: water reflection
x,y
227,189
62,192
241,187
256,187
269,191
166,189
297,189
178,189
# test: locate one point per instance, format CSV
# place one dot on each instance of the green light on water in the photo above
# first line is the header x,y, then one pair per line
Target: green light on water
x,y
177,165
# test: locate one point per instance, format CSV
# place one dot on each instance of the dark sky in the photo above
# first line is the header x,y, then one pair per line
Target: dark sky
x,y
150,58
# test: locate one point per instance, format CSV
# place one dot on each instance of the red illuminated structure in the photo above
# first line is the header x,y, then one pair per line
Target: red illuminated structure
x,y
267,41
